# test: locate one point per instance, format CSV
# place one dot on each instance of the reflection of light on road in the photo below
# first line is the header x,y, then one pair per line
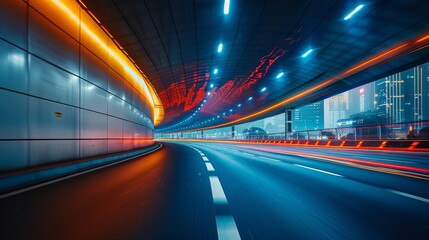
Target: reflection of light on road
x,y
329,157
121,195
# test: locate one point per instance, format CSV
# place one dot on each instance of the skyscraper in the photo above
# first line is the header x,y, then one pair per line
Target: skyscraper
x,y
361,99
308,117
336,108
404,96
425,90
390,98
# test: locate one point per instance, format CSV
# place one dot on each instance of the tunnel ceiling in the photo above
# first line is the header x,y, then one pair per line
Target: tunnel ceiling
x,y
176,43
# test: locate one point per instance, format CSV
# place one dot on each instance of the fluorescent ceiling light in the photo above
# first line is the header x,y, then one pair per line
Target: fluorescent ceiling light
x,y
353,12
219,47
226,7
239,105
215,71
280,75
306,53
263,89
250,98
211,85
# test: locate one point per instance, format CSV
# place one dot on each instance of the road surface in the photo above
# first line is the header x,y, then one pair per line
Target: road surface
x,y
232,191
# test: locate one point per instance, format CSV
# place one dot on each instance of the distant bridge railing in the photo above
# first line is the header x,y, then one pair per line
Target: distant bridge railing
x,y
408,130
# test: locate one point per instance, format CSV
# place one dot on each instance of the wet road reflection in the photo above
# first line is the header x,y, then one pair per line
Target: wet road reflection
x,y
221,191
132,200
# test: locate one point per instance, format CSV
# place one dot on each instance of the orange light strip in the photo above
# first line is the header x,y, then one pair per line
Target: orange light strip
x,y
388,55
383,144
423,38
373,59
115,53
413,145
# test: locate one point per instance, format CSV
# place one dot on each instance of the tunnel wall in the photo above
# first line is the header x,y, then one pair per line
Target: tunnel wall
x,y
61,96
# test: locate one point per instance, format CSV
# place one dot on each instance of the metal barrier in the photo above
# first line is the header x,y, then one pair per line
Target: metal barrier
x,y
396,131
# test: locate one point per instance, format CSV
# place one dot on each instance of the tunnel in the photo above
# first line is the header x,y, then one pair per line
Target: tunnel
x,y
214,119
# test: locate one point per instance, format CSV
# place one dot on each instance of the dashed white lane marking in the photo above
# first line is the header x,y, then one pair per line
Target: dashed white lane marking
x,y
271,159
410,196
210,167
226,228
225,224
318,170
248,154
217,191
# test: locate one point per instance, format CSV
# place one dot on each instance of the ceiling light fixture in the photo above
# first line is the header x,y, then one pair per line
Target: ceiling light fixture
x,y
263,89
353,12
306,53
215,71
280,75
219,47
226,7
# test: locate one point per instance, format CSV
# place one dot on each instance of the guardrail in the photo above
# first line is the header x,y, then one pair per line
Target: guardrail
x,y
397,131
400,145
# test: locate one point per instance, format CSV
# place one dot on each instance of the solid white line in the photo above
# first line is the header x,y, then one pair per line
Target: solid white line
x,y
410,196
217,191
210,167
226,228
248,154
205,159
318,170
271,159
71,176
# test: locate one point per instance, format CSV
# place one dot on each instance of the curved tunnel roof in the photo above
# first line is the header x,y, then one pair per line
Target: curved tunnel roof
x,y
271,51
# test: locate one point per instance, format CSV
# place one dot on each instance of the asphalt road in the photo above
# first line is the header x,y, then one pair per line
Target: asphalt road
x,y
221,191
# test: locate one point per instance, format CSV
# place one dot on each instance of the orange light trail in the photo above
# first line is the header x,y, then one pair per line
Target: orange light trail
x,y
365,162
423,38
374,59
